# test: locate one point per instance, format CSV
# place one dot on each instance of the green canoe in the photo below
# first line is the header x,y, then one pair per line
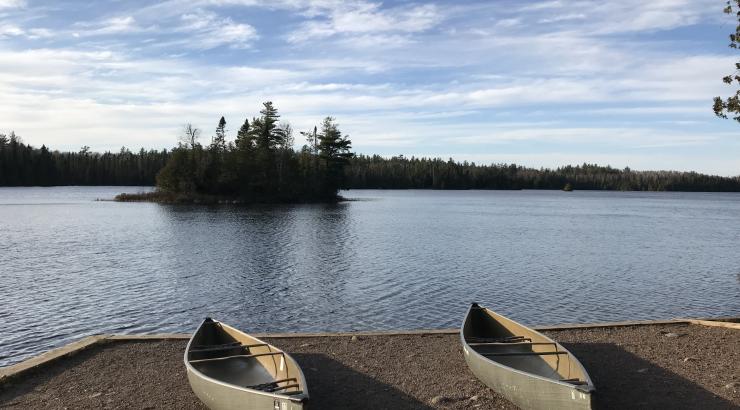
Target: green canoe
x,y
228,369
525,366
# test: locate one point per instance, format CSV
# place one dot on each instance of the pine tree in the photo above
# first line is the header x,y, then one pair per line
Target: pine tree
x,y
244,139
334,151
219,141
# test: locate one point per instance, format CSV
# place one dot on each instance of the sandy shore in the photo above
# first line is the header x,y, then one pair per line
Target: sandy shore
x,y
655,366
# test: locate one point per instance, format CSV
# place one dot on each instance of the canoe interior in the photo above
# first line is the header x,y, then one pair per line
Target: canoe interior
x,y
508,343
230,356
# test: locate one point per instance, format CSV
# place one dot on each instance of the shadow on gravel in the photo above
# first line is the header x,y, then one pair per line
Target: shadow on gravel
x,y
626,381
332,385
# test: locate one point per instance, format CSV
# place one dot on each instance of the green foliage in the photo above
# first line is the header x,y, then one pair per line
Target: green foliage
x,y
376,172
731,105
24,165
334,151
261,166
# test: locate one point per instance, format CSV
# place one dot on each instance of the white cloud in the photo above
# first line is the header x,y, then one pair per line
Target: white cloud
x,y
9,30
363,18
210,31
10,4
107,27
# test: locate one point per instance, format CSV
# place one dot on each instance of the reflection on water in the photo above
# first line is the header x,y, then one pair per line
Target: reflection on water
x,y
71,266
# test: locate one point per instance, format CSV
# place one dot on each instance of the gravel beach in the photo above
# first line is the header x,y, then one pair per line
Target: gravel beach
x,y
649,366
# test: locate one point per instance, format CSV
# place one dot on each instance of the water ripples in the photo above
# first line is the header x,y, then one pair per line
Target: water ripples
x,y
71,267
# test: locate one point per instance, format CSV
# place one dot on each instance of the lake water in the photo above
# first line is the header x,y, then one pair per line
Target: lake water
x,y
71,266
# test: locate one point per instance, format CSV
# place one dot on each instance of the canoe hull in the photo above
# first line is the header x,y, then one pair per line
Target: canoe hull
x,y
522,389
218,396
526,367
229,369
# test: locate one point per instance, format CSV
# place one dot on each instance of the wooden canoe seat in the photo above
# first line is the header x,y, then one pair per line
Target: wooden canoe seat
x,y
522,353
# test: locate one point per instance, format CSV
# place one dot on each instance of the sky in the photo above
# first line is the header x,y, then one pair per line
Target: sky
x,y
537,83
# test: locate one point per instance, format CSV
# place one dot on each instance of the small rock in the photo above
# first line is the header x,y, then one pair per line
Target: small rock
x,y
305,345
354,339
733,385
313,369
690,358
671,334
440,400
473,398
644,370
92,396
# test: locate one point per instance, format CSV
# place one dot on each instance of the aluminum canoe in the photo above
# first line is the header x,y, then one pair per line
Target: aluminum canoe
x,y
526,367
229,369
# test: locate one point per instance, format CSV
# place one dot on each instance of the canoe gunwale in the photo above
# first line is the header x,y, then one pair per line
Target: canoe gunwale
x,y
467,349
303,398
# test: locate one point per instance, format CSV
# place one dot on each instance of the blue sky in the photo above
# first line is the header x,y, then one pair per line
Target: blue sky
x,y
543,83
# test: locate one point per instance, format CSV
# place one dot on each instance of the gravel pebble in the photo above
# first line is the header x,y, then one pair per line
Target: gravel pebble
x,y
405,372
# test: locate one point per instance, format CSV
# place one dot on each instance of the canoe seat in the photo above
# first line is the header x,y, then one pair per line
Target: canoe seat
x,y
577,382
272,386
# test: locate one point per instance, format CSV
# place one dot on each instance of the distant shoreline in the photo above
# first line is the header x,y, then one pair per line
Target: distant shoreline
x,y
203,199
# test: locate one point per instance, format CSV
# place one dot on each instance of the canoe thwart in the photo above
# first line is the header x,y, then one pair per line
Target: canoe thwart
x,y
227,346
231,344
522,353
510,339
245,356
510,343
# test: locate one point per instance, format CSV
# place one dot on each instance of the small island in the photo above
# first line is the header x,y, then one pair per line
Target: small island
x,y
260,166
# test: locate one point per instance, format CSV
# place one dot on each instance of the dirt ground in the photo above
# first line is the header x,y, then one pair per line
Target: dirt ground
x,y
655,366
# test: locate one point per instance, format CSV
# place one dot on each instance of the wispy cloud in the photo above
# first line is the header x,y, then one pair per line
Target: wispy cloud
x,y
208,30
365,19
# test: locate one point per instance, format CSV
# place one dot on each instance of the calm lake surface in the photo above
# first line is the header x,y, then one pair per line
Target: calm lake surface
x,y
71,266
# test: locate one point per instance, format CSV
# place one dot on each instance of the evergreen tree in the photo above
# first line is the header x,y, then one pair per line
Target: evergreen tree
x,y
334,151
244,139
219,141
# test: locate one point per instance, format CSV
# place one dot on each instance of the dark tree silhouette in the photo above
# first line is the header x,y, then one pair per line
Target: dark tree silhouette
x,y
730,106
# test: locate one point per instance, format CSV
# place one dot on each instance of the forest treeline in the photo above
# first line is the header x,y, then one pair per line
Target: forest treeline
x,y
24,165
376,172
261,162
